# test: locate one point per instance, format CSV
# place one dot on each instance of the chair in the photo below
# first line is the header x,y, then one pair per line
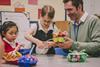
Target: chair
x,y
62,25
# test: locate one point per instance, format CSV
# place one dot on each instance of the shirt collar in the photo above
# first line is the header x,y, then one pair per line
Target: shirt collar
x,y
82,19
12,44
41,28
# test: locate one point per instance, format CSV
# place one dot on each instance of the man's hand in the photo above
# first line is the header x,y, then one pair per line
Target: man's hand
x,y
67,44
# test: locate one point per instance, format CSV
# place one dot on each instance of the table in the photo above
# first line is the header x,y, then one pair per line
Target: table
x,y
60,61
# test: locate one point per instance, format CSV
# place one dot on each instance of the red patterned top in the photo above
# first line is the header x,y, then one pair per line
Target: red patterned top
x,y
8,47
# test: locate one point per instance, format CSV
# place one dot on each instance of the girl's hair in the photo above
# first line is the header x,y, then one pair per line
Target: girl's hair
x,y
49,11
7,25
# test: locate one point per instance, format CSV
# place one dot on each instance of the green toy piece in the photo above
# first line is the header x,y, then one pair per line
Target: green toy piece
x,y
59,39
76,56
55,39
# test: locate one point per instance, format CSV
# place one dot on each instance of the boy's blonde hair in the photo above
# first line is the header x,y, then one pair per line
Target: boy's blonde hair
x,y
49,11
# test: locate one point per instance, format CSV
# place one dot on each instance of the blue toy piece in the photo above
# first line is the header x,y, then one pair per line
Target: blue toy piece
x,y
24,51
27,61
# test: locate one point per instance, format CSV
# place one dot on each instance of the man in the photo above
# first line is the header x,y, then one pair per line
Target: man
x,y
84,31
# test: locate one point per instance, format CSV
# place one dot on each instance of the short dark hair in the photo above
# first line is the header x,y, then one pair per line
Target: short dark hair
x,y
49,10
75,3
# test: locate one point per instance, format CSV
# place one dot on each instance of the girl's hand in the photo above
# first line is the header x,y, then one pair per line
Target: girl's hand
x,y
18,47
12,53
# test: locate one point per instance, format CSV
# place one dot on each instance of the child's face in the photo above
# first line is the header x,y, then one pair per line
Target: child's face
x,y
11,34
46,21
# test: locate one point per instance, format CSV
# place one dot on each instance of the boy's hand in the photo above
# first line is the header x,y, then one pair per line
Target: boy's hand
x,y
50,44
40,44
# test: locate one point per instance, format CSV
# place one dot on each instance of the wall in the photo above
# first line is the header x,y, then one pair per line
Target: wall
x,y
91,6
33,9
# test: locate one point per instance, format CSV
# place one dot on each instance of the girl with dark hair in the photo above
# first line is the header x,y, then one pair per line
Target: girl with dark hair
x,y
9,34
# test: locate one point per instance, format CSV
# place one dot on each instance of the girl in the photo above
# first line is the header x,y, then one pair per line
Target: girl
x,y
43,30
9,34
